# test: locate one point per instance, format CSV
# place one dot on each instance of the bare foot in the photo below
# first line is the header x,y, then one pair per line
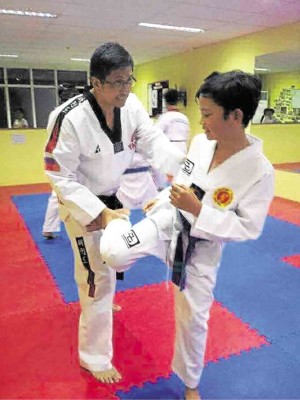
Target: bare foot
x,y
49,235
108,376
116,308
192,394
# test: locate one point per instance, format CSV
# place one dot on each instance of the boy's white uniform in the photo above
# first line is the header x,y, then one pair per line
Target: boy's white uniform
x,y
85,159
137,185
52,220
237,195
176,127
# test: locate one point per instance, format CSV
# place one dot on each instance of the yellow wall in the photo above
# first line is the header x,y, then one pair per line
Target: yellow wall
x,y
274,83
287,185
281,145
187,70
22,163
281,142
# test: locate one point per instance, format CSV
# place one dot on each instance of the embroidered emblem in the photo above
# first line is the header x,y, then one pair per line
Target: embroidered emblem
x,y
223,196
98,149
131,239
188,166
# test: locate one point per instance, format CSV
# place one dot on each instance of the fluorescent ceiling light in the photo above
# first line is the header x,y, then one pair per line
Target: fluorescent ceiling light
x,y
9,55
172,28
80,59
27,13
261,69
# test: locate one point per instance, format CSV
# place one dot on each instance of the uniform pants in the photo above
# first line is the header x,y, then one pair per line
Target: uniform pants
x,y
122,243
52,220
96,283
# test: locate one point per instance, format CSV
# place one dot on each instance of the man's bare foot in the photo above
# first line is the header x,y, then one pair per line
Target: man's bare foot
x,y
192,394
108,376
116,308
49,235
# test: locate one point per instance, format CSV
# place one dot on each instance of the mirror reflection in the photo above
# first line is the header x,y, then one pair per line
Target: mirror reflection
x,y
280,100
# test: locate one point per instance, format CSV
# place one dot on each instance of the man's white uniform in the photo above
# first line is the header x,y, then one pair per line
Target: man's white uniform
x,y
235,199
176,127
85,159
137,185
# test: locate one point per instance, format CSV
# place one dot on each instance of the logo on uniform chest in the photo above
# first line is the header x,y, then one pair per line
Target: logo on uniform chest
x,y
118,147
188,166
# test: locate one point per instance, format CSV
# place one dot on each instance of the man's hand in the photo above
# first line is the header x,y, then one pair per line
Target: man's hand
x,y
105,217
149,205
184,198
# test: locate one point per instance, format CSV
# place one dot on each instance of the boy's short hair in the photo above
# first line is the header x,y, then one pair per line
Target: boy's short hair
x,y
232,90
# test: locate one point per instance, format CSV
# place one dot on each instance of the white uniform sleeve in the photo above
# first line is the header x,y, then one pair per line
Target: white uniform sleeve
x,y
161,123
78,199
244,223
155,146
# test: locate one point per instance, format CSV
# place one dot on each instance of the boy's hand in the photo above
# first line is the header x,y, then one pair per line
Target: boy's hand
x,y
184,198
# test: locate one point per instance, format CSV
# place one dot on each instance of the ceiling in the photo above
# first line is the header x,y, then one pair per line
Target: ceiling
x,y
83,25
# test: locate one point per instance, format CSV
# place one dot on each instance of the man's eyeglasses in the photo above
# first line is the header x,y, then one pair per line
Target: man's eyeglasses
x,y
120,83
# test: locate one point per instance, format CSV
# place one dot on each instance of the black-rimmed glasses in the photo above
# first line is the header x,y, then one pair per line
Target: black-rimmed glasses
x,y
120,83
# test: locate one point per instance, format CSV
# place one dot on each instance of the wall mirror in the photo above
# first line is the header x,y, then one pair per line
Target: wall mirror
x,y
280,75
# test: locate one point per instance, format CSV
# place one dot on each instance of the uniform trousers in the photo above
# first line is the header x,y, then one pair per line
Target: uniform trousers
x,y
122,245
96,283
52,220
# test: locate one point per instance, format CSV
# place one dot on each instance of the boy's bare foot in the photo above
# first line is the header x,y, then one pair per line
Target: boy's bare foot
x,y
116,308
108,376
192,394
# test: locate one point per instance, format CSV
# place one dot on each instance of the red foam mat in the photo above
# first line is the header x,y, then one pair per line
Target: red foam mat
x,y
286,210
293,260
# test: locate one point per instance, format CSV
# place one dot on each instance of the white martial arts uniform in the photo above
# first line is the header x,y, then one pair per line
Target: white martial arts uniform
x,y
85,159
176,127
137,185
237,195
52,220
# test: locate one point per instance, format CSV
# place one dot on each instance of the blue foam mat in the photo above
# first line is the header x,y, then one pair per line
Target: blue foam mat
x,y
59,256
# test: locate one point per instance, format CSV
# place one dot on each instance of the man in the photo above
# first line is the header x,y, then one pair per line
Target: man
x,y
176,127
92,139
222,194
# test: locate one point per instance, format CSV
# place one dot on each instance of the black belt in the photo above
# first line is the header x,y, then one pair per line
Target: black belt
x,y
113,203
181,258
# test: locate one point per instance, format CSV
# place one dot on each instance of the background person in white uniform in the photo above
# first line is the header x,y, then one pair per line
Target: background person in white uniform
x,y
92,141
137,185
221,194
176,127
52,221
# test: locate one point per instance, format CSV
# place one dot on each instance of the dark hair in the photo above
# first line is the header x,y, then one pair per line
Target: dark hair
x,y
269,109
264,114
108,57
172,97
66,91
232,90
